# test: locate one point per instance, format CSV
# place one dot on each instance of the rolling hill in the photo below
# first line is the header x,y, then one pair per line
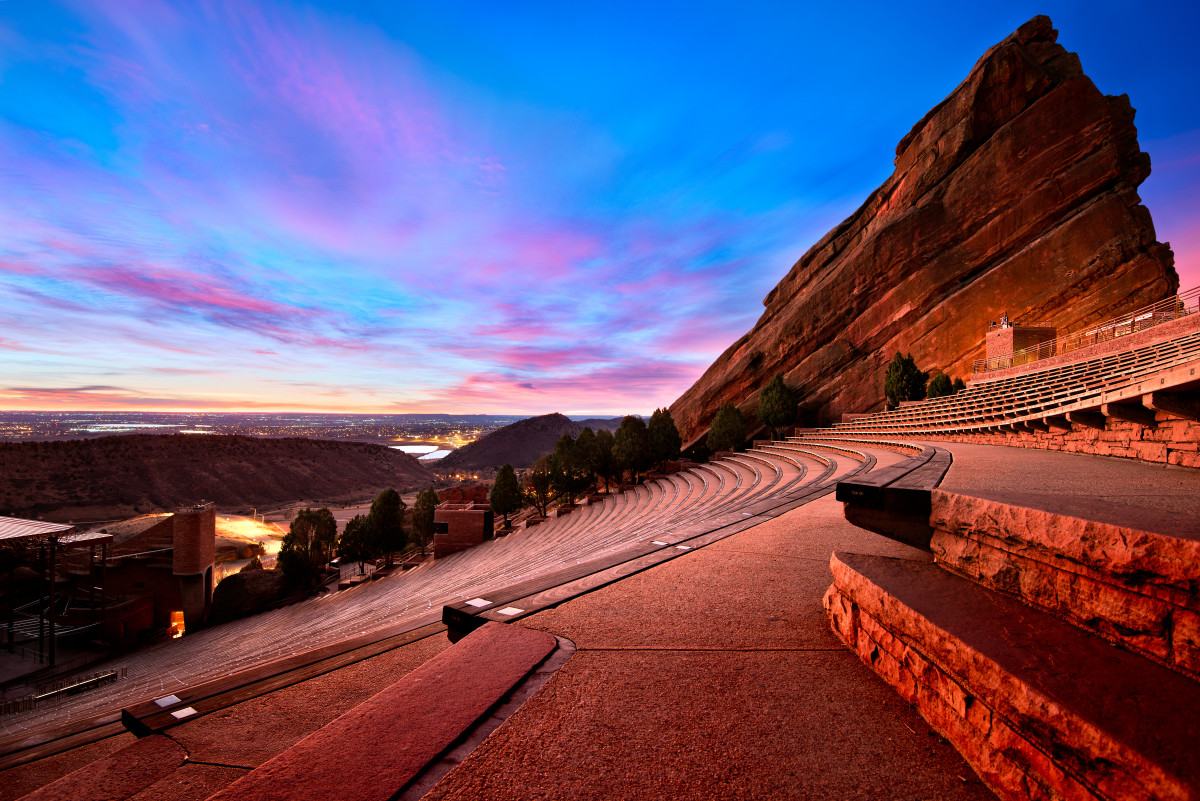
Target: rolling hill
x,y
117,476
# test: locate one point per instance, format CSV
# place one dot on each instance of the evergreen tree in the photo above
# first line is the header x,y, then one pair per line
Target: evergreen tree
x,y
939,386
422,518
585,447
959,385
776,405
665,441
387,524
570,470
631,446
539,485
309,544
903,381
505,496
728,430
601,460
355,543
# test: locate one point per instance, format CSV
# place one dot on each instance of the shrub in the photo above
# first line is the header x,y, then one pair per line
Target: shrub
x,y
939,386
776,405
665,441
728,429
903,381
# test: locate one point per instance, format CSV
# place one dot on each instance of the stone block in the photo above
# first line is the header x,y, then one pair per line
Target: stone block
x,y
1003,682
1185,640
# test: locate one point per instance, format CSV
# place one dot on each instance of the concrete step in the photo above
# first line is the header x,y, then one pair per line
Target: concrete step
x,y
1123,572
1039,708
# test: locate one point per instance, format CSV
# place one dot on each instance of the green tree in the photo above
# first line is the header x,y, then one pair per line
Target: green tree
x,y
728,429
505,496
959,385
939,386
601,459
387,524
309,544
539,485
903,381
355,543
422,518
665,441
570,470
631,446
776,405
585,447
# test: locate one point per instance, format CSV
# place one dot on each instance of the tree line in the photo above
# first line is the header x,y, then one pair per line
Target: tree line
x,y
581,464
387,529
904,381
778,404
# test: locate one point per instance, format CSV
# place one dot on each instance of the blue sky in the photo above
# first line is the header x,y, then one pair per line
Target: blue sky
x,y
508,208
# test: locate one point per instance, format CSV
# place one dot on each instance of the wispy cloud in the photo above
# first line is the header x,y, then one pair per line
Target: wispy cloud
x,y
248,203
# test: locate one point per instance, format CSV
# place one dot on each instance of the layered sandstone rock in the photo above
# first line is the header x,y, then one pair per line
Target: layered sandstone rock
x,y
1017,193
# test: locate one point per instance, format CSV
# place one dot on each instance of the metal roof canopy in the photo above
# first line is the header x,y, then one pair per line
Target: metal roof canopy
x,y
86,538
14,528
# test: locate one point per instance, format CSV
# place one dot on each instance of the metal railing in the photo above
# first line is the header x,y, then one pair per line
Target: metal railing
x,y
1164,311
1018,323
59,690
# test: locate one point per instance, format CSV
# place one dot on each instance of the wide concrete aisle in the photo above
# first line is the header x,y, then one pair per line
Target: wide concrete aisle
x,y
1055,476
715,675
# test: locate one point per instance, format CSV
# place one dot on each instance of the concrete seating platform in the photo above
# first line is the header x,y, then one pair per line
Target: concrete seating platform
x,y
1039,708
123,774
895,501
385,742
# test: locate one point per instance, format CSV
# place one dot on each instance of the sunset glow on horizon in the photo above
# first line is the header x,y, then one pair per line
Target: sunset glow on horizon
x,y
250,205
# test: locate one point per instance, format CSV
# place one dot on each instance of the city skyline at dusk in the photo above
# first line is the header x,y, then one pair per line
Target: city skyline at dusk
x,y
463,208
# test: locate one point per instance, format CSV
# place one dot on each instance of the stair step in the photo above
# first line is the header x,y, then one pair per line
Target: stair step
x,y
1039,708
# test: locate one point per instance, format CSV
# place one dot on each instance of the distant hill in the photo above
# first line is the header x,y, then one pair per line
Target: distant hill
x,y
119,476
518,444
597,423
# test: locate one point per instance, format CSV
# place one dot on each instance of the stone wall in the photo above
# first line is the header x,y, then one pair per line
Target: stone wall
x,y
466,528
1132,586
1170,441
195,540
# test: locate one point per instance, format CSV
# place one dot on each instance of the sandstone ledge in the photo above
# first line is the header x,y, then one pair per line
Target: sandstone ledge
x,y
1124,573
1039,708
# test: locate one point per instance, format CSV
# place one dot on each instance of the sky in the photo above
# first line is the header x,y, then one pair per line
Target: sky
x,y
471,207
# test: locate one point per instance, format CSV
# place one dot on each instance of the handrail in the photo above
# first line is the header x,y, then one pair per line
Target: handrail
x,y
1164,311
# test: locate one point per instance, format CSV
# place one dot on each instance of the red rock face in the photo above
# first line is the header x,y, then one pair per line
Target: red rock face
x,y
1017,193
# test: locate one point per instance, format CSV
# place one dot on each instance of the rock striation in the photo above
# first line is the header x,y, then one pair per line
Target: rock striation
x,y
1017,193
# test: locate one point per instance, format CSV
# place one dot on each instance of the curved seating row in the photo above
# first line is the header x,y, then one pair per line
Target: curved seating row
x,y
666,510
1044,396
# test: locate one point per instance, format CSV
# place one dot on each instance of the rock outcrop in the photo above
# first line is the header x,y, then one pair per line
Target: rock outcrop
x,y
1017,193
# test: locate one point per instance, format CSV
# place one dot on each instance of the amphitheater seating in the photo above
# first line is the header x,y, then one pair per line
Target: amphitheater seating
x,y
1084,387
1055,642
709,500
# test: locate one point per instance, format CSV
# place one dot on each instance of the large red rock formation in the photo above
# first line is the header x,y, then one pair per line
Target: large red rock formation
x,y
1017,193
